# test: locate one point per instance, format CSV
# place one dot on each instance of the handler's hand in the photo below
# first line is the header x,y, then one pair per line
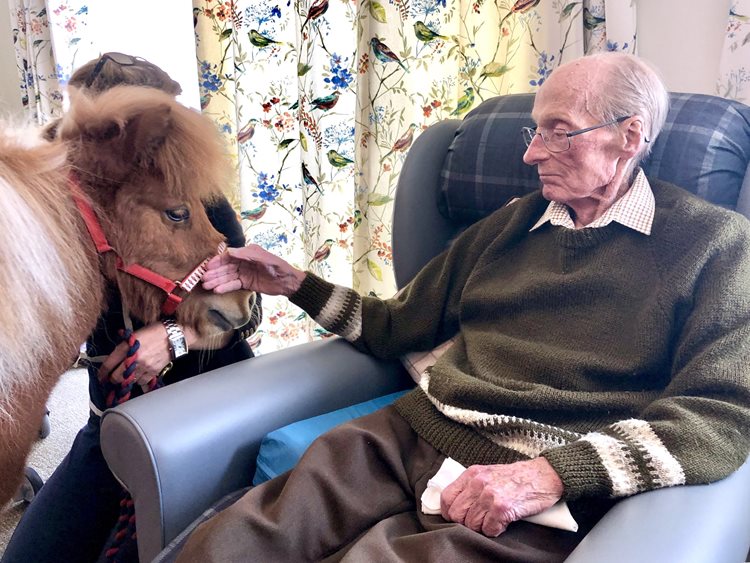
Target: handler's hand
x,y
153,356
252,268
486,498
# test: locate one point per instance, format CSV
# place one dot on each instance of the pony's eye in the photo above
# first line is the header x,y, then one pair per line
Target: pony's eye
x,y
178,214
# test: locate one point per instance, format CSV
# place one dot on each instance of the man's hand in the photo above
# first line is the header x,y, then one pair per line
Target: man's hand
x,y
486,498
252,268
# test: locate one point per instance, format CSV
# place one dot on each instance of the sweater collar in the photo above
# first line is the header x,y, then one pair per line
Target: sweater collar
x,y
634,210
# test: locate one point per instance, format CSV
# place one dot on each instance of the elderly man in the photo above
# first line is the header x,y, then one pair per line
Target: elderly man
x,y
602,345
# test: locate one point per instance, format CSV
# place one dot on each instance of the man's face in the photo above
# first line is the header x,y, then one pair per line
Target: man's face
x,y
587,173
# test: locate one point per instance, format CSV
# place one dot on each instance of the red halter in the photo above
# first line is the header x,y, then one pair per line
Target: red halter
x,y
94,228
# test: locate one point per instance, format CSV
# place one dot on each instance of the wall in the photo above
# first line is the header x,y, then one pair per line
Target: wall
x,y
112,25
683,38
169,45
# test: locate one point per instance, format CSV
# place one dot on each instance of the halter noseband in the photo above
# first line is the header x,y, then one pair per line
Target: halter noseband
x,y
176,291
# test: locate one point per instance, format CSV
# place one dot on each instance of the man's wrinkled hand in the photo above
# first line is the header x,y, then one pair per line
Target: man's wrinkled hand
x,y
487,498
252,268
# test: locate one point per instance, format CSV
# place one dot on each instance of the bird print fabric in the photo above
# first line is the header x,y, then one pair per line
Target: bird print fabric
x,y
321,103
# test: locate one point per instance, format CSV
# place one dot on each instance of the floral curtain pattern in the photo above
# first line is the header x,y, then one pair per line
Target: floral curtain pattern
x,y
609,25
321,101
734,71
280,86
47,42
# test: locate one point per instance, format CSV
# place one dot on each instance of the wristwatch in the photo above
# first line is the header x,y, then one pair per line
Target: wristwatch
x,y
177,343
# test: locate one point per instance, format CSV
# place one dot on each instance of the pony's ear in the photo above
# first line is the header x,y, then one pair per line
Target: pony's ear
x,y
130,140
145,132
104,132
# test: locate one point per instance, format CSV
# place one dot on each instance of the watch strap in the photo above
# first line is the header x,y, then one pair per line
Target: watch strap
x,y
177,342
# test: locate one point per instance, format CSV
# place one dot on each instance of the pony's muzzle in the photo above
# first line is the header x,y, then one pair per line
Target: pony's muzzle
x,y
230,310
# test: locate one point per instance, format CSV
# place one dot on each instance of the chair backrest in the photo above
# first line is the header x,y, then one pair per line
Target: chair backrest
x,y
458,172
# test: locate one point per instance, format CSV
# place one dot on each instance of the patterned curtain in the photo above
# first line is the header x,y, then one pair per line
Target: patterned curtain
x,y
47,42
321,103
734,72
609,25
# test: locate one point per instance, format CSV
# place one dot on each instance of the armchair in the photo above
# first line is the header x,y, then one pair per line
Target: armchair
x,y
180,449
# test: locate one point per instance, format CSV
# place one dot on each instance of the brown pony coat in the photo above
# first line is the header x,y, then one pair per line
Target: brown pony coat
x,y
137,153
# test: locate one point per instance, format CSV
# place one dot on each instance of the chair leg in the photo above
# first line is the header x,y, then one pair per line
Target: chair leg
x,y
46,427
30,486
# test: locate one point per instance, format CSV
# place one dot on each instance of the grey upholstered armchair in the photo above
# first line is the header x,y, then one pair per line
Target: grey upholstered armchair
x,y
180,449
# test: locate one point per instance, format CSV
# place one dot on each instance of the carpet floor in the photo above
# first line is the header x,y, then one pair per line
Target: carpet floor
x,y
69,409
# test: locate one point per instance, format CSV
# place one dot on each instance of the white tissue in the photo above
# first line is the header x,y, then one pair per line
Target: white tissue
x,y
556,516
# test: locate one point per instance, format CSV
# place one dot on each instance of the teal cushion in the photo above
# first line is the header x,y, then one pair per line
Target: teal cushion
x,y
281,449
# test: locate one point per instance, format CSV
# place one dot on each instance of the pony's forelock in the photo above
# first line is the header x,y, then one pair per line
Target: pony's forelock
x,y
191,152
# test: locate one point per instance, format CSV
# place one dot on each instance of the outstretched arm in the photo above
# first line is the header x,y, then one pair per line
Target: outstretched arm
x,y
421,316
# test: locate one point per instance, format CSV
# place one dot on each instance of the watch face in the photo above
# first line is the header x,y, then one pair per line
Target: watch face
x,y
179,348
177,342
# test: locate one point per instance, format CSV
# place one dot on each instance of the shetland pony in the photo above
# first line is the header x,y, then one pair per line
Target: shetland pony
x,y
147,165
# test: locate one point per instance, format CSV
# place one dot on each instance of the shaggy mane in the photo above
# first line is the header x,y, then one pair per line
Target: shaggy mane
x,y
40,259
191,150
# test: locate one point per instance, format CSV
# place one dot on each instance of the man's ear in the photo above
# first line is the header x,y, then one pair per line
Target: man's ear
x,y
634,137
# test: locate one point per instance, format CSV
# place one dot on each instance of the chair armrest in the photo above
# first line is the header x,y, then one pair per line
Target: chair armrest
x,y
181,448
691,524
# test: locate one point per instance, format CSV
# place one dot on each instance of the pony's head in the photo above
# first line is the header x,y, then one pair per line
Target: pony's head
x,y
149,165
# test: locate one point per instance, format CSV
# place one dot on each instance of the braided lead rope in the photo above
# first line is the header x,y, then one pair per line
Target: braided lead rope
x,y
125,529
120,392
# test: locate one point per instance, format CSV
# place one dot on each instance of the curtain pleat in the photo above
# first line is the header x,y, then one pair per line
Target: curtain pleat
x,y
49,42
734,69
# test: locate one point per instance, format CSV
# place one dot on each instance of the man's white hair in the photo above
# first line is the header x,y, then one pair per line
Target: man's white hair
x,y
631,86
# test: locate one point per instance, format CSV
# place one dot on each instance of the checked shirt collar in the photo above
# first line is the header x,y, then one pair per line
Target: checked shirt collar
x,y
635,210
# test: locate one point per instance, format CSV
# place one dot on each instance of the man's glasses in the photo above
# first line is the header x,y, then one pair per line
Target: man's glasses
x,y
120,58
558,140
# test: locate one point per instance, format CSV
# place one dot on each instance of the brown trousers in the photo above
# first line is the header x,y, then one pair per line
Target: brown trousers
x,y
354,497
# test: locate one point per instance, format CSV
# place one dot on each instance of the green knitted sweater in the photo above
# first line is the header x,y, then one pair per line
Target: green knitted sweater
x,y
622,358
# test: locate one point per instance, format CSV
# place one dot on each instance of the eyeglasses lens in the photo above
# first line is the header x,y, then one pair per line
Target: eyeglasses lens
x,y
120,58
555,140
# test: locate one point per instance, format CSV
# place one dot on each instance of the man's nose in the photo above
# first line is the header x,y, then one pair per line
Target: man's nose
x,y
536,150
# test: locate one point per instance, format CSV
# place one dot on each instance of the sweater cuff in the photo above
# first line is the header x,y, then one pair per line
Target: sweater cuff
x,y
580,469
313,294
336,308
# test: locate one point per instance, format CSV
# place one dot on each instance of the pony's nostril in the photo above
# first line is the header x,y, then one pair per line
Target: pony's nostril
x,y
217,318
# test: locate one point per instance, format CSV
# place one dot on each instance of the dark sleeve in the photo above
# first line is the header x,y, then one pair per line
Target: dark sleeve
x,y
224,219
